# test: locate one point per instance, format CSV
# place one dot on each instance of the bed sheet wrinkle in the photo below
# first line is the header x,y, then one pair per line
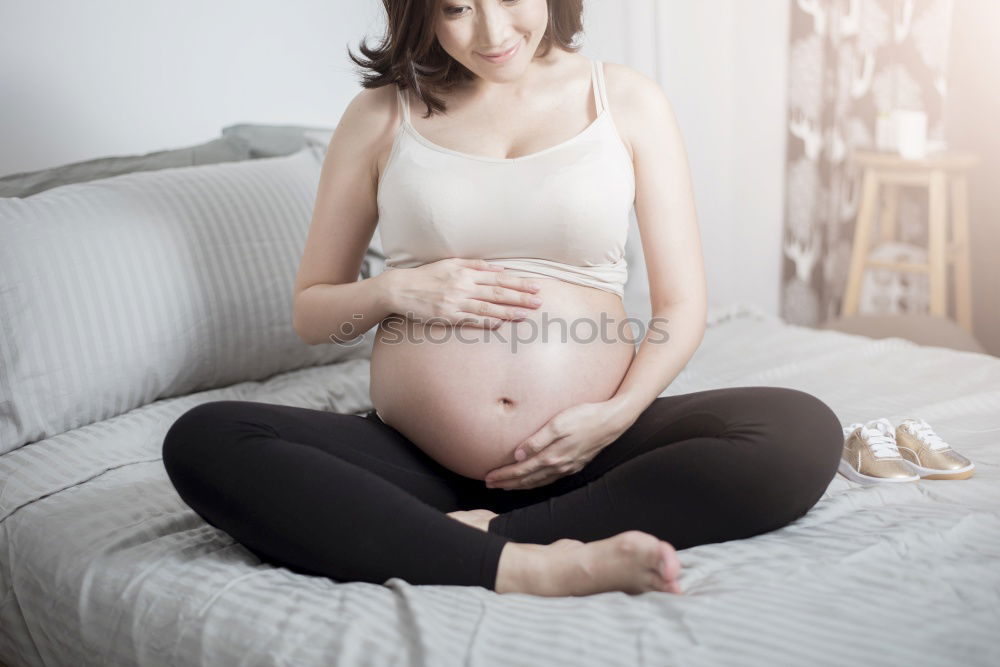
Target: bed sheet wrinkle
x,y
470,643
203,609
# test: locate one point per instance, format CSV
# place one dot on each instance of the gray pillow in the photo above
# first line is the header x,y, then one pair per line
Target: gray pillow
x,y
226,149
121,291
320,138
272,140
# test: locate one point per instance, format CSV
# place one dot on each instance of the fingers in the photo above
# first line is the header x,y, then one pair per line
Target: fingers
x,y
534,472
532,461
480,264
509,474
513,282
544,437
529,475
501,302
498,296
496,276
486,309
527,449
536,479
496,293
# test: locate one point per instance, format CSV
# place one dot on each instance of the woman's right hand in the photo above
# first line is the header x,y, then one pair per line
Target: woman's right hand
x,y
458,291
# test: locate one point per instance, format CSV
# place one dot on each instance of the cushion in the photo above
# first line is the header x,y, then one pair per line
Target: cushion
x,y
273,140
120,291
320,138
225,149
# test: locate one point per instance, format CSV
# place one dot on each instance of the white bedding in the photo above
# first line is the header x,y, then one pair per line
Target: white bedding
x,y
101,563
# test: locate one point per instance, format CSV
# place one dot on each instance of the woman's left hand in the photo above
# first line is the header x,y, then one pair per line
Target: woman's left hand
x,y
562,446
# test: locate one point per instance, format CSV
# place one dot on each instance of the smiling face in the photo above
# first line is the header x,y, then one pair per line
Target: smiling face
x,y
470,30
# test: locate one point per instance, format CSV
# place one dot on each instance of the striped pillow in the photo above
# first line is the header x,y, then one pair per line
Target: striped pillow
x,y
223,149
121,291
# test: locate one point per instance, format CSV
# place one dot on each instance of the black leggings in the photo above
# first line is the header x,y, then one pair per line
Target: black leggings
x,y
350,498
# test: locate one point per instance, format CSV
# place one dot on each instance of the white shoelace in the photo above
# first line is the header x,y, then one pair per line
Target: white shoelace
x,y
922,430
880,436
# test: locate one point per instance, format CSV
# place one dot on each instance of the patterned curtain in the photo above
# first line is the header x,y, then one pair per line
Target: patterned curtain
x,y
851,60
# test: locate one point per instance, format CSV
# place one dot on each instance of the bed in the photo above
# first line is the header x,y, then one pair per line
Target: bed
x,y
101,563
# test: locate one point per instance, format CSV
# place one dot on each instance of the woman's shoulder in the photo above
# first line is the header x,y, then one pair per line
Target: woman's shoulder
x,y
629,88
626,80
373,108
635,100
369,122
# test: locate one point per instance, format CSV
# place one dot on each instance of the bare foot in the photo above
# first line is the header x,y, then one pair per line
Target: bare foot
x,y
476,518
632,561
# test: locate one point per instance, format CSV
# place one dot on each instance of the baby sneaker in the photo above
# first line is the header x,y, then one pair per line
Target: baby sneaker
x,y
870,455
929,455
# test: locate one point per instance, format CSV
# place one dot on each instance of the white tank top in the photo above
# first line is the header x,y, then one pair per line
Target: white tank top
x,y
561,212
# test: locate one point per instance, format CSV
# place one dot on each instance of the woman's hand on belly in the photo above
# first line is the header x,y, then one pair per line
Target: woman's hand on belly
x,y
463,292
564,445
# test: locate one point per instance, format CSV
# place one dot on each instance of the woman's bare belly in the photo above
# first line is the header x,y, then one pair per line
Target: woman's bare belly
x,y
468,396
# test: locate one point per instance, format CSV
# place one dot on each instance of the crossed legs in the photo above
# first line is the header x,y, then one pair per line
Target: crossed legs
x,y
351,498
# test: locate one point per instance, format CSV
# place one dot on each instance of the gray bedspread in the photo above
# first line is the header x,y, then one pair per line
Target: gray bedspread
x,y
101,563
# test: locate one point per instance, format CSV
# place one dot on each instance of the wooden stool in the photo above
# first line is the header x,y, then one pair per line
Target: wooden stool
x,y
938,172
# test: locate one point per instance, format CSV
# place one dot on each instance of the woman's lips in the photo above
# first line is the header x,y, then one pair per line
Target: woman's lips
x,y
505,57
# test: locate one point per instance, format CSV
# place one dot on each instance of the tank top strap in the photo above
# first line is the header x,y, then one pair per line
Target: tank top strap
x,y
600,93
404,103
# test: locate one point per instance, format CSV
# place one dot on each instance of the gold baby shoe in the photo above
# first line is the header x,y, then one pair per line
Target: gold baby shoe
x,y
929,455
870,455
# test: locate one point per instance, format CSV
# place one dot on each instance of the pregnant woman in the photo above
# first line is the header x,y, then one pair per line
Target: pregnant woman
x,y
518,440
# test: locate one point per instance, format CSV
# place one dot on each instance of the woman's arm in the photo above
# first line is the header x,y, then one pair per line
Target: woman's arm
x,y
330,303
341,313
668,226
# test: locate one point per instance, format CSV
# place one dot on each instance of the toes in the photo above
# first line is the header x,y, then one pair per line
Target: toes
x,y
666,585
670,567
658,583
659,557
671,562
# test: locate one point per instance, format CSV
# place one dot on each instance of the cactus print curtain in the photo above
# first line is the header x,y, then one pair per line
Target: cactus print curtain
x,y
850,60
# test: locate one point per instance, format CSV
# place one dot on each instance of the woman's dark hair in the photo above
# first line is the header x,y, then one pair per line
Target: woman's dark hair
x,y
411,57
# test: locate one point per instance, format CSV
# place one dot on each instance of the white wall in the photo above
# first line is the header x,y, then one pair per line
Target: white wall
x,y
103,77
86,79
723,65
971,114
